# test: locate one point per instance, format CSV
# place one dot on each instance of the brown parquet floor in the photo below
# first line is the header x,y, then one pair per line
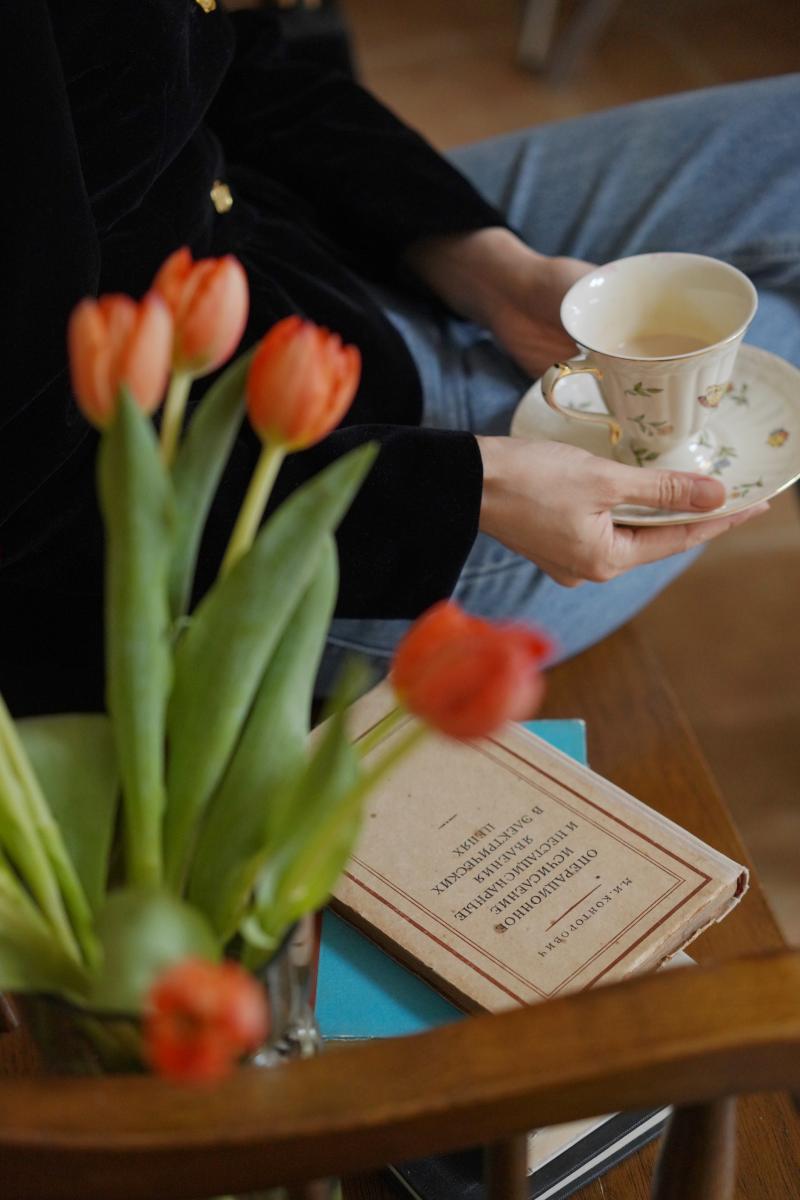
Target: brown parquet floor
x,y
728,633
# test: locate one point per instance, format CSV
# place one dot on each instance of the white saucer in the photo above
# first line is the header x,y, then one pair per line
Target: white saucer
x,y
757,427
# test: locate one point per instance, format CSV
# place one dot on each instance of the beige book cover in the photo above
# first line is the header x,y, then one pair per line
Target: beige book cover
x,y
505,873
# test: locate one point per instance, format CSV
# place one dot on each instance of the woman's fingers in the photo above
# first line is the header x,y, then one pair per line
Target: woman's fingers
x,y
638,545
673,490
553,504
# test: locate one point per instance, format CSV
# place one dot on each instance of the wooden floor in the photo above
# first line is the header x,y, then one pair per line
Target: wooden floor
x,y
727,633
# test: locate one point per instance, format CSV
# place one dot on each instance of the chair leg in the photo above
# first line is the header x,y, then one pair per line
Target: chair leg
x,y
8,1015
578,39
536,33
505,1166
698,1157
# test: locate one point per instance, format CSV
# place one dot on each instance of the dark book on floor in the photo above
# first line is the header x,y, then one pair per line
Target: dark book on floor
x,y
592,1153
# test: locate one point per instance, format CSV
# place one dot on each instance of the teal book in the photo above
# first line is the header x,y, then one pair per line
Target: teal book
x,y
362,991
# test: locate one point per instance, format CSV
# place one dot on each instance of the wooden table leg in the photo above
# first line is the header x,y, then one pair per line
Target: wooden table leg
x,y
506,1169
698,1158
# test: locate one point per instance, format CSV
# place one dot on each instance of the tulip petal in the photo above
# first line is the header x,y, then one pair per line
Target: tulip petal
x,y
465,676
86,340
301,383
201,1017
143,364
171,278
209,301
213,313
113,341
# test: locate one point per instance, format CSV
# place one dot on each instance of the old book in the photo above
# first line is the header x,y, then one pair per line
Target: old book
x,y
505,873
362,991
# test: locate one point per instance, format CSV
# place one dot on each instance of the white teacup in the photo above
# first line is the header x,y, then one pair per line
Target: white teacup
x,y
660,332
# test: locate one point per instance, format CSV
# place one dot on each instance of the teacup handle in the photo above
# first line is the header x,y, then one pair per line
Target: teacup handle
x,y
577,366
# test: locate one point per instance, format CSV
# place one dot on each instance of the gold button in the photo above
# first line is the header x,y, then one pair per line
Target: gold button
x,y
207,5
220,194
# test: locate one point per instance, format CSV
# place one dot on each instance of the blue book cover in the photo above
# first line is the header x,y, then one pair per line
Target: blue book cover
x,y
362,992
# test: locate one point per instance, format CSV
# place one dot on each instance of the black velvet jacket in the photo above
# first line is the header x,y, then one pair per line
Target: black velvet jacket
x,y
117,120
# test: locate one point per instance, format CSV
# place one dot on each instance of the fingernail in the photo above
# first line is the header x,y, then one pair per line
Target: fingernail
x,y
707,493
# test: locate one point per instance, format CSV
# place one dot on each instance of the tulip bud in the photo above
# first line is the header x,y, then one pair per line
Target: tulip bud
x,y
209,302
301,383
201,1018
115,342
465,676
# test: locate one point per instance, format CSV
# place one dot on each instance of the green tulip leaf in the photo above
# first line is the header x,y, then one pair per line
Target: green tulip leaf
x,y
198,470
74,759
221,659
142,933
268,758
136,497
31,959
31,838
316,838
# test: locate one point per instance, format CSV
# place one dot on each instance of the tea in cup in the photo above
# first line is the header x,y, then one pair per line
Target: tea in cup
x,y
660,333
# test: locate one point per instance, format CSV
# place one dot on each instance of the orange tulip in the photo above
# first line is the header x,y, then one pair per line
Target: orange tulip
x,y
209,301
465,676
301,383
115,342
201,1018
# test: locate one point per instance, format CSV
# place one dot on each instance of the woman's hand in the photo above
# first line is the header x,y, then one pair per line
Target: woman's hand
x,y
552,504
493,278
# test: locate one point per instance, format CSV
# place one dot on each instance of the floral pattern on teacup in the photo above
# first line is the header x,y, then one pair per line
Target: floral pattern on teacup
x,y
643,454
652,428
639,389
712,395
778,437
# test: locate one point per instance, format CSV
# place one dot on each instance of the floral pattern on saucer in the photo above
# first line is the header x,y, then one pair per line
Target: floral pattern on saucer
x,y
754,427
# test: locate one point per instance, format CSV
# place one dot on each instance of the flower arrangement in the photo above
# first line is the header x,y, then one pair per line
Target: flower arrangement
x,y
152,858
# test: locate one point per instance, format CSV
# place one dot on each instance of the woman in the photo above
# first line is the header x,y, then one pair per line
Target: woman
x,y
142,120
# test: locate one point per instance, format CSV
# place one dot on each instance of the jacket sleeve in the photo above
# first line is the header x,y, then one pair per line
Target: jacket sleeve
x,y
405,539
374,184
50,250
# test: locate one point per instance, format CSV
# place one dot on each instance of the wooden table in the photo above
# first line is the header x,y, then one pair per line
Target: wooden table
x,y
639,738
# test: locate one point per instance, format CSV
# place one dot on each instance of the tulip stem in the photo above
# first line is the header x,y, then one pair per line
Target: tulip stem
x,y
172,420
373,737
252,510
403,746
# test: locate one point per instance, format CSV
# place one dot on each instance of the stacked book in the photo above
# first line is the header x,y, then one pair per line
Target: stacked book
x,y
502,873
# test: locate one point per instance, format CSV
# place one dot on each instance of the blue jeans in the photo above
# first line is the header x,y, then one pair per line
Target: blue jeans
x,y
714,172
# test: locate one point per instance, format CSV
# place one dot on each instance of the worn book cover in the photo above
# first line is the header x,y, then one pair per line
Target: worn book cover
x,y
505,873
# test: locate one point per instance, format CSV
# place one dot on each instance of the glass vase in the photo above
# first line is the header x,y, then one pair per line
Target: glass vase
x,y
72,1041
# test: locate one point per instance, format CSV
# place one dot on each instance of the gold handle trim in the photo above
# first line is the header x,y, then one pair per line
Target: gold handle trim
x,y
567,370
